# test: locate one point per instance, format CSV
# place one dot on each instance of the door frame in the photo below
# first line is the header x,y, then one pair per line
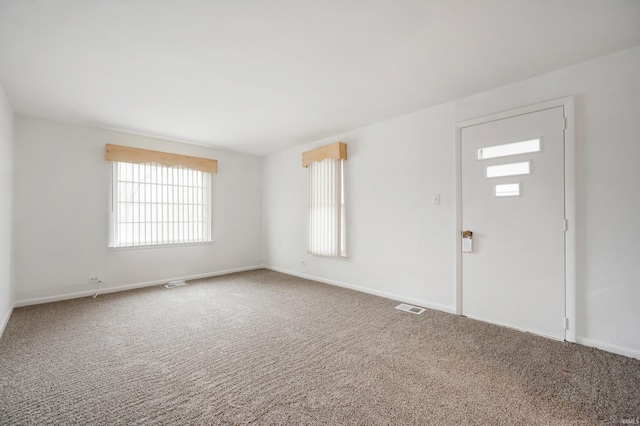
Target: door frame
x,y
569,201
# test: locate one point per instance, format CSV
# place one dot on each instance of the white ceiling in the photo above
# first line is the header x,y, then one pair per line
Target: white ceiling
x,y
259,76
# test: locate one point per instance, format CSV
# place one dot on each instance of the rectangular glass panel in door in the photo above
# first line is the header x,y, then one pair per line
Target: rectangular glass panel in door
x,y
507,190
508,149
511,169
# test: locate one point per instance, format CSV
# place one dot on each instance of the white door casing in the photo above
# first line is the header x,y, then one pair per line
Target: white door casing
x,y
516,274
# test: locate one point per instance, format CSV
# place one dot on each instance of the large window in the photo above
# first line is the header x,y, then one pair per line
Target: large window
x,y
153,204
326,222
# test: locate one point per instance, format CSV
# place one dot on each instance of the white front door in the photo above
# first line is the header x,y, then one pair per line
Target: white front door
x,y
513,201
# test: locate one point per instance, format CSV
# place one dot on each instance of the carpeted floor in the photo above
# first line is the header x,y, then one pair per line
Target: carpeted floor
x,y
265,348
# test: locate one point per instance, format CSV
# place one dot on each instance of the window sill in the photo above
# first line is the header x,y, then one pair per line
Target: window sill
x,y
159,246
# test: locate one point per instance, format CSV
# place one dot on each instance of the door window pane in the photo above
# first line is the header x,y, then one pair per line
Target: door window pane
x,y
505,150
507,190
511,169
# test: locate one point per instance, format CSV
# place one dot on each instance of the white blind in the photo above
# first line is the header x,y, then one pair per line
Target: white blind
x,y
326,227
157,205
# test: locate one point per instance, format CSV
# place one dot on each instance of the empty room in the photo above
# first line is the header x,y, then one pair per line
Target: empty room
x,y
319,212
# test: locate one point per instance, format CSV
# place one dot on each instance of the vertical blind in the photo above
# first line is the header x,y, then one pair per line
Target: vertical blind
x,y
326,228
156,205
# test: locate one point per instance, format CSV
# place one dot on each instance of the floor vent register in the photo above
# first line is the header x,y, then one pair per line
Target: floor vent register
x,y
409,308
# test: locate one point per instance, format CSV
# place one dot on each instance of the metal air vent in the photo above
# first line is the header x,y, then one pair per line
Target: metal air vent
x,y
409,308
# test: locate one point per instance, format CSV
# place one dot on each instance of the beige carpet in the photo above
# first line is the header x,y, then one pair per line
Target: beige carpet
x,y
266,348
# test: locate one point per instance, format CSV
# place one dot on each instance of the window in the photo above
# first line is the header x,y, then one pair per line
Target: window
x,y
154,204
507,190
509,149
511,169
326,222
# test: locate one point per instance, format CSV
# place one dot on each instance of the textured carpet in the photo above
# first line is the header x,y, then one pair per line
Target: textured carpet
x,y
266,348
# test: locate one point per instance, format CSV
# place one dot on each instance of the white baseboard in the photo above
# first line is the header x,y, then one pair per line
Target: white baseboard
x,y
620,350
5,321
386,295
67,296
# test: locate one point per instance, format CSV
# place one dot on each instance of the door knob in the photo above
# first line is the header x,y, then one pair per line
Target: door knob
x,y
467,246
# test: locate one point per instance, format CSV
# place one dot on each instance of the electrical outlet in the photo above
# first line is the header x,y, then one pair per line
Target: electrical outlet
x,y
94,279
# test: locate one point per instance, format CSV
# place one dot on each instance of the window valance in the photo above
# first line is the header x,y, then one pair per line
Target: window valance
x,y
336,151
127,154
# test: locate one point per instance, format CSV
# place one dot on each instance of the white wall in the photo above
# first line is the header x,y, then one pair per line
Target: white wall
x,y
61,214
6,202
401,245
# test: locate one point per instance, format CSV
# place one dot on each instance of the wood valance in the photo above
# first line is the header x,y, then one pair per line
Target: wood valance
x,y
336,150
127,154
